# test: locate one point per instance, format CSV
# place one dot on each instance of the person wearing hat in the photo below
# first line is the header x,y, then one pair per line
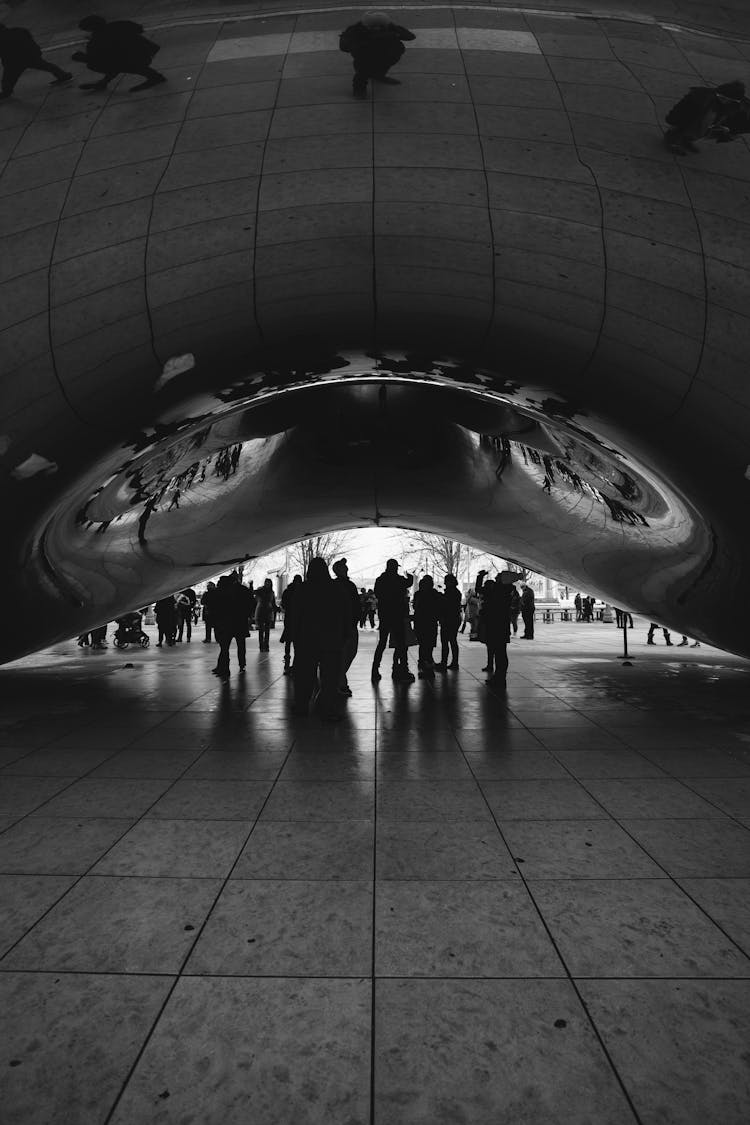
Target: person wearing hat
x,y
350,595
375,43
19,51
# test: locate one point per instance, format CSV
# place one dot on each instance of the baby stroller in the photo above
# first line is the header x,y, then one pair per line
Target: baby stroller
x,y
130,632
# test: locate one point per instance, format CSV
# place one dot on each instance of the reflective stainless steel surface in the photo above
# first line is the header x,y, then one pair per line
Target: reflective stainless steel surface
x,y
394,310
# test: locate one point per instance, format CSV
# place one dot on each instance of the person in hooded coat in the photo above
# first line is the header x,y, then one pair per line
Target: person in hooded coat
x,y
19,51
375,43
118,47
319,625
496,597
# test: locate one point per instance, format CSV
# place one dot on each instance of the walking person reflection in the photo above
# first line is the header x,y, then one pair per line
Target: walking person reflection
x,y
319,624
117,47
376,44
19,51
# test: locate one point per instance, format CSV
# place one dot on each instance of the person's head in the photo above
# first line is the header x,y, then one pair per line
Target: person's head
x,y
224,581
375,20
340,569
211,586
92,23
268,584
450,581
391,567
426,583
317,571
296,580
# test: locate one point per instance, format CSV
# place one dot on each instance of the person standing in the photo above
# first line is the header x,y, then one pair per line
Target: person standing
x,y
231,611
652,629
427,608
393,615
206,603
496,598
450,618
527,612
19,51
319,622
375,44
186,600
515,609
265,613
165,612
287,598
372,607
351,597
118,47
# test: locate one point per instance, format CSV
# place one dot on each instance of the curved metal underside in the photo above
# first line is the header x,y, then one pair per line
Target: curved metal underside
x,y
392,310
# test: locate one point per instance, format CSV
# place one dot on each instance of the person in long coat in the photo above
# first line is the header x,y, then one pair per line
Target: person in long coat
x,y
391,591
496,597
450,619
427,608
230,610
287,598
265,613
352,599
165,612
319,623
118,47
19,51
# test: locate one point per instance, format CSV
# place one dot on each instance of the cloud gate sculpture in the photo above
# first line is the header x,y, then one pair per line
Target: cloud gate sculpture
x,y
245,307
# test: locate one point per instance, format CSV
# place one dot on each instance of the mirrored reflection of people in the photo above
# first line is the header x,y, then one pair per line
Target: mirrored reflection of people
x,y
185,600
393,615
287,599
231,609
265,613
319,625
426,616
704,112
375,44
165,612
351,597
117,47
19,51
207,599
527,612
450,619
652,629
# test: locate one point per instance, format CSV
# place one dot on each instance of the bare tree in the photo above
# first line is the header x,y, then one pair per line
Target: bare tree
x,y
329,547
440,554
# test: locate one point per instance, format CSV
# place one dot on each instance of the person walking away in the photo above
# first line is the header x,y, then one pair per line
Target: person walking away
x,y
527,612
186,600
319,622
119,47
393,614
265,612
362,607
165,612
206,601
427,610
450,619
375,44
351,597
287,598
231,609
19,51
652,629
372,607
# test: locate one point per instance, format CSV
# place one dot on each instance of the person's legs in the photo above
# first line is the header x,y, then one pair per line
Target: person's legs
x,y
304,679
501,664
329,700
151,76
224,637
380,648
241,648
287,656
102,84
189,624
453,642
50,68
361,75
651,631
667,637
489,667
351,645
11,73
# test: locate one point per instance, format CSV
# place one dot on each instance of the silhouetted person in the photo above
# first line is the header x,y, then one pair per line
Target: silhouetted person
x,y
19,51
165,612
351,597
450,619
265,613
287,598
496,628
319,625
117,47
515,609
207,600
148,508
527,613
372,607
393,615
186,600
426,616
375,44
652,629
700,112
230,611
362,608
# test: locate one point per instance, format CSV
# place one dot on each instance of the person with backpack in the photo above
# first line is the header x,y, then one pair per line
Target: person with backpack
x,y
19,51
118,47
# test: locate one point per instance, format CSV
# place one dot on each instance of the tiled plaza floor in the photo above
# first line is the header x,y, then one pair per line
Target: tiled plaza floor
x,y
448,908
